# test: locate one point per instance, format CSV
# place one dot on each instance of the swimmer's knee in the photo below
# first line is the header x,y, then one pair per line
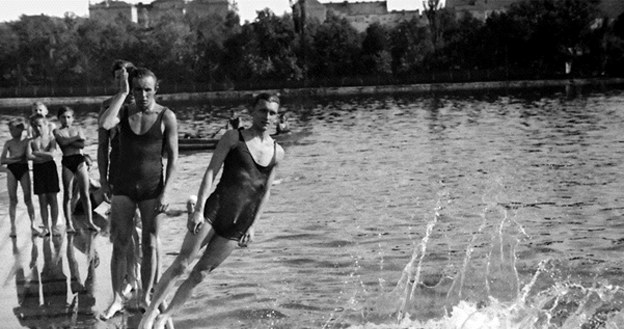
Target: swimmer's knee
x,y
198,275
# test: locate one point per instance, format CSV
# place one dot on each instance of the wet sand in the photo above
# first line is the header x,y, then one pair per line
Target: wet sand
x,y
62,281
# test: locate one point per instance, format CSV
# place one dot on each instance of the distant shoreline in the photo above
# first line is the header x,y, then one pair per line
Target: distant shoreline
x,y
423,88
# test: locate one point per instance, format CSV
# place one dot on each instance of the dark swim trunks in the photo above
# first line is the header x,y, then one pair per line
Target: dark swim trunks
x,y
140,172
18,169
45,178
232,207
72,162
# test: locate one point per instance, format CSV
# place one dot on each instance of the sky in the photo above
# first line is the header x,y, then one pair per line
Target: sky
x,y
11,10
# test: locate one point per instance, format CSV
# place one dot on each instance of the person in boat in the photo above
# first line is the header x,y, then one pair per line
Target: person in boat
x,y
223,219
147,130
282,125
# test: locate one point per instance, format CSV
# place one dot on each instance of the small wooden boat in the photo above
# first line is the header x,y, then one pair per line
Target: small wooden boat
x,y
186,143
194,144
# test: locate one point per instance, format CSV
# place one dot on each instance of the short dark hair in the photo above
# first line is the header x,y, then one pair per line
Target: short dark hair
x,y
122,63
141,72
64,109
17,123
268,97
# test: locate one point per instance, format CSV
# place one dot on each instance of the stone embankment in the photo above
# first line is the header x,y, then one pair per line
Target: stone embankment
x,y
327,91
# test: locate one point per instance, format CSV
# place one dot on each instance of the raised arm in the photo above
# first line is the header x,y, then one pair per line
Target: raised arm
x,y
226,143
110,117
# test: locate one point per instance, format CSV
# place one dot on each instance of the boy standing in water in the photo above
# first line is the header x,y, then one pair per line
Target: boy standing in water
x,y
45,175
71,140
15,157
223,219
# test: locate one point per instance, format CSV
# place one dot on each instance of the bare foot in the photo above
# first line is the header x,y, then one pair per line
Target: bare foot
x,y
116,307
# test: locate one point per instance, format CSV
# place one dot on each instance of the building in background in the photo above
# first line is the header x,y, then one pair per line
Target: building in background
x,y
359,14
145,14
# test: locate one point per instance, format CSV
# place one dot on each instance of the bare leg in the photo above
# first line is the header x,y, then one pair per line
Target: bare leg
x,y
68,178
43,207
122,213
216,252
149,247
12,189
82,178
190,247
54,211
25,183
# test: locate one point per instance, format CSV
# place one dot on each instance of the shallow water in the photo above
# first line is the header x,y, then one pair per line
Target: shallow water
x,y
454,211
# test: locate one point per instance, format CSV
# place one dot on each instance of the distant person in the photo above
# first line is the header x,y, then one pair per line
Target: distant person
x,y
223,219
45,175
15,157
147,130
282,125
71,140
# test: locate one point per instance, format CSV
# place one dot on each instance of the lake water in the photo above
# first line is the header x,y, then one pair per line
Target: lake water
x,y
453,211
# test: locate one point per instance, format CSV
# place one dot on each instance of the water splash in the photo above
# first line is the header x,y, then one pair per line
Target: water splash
x,y
550,296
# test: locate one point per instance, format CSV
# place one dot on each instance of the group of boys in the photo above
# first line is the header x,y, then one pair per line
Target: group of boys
x,y
34,142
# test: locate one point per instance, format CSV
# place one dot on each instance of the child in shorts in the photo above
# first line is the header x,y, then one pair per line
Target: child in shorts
x,y
45,174
15,157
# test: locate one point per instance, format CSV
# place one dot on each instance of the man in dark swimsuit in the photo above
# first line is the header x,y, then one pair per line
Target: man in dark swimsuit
x,y
108,167
223,220
146,129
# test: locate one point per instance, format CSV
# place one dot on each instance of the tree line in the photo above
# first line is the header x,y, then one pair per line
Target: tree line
x,y
535,36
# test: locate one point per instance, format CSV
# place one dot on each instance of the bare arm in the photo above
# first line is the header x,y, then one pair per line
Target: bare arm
x,y
48,152
110,117
103,154
224,146
4,159
65,140
171,146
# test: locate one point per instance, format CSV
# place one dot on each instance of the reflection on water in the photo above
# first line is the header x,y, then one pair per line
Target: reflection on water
x,y
455,211
49,297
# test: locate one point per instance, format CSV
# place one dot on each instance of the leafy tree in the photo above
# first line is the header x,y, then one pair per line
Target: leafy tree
x,y
376,56
553,29
336,46
264,49
10,65
410,43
